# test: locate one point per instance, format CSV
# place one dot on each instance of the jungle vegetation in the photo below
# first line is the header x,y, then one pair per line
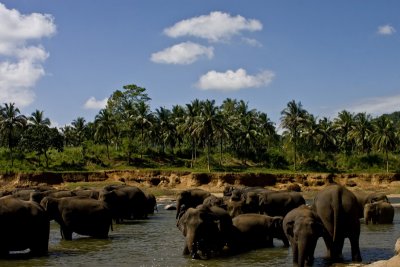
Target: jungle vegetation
x,y
200,135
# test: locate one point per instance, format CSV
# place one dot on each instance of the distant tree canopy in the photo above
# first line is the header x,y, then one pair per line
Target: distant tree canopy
x,y
203,133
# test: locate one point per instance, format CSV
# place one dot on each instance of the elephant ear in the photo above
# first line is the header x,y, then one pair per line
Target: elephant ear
x,y
289,228
277,222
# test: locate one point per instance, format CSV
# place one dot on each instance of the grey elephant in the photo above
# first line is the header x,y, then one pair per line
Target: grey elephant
x,y
190,198
279,203
340,214
253,231
369,197
380,212
302,227
207,230
84,216
125,202
23,225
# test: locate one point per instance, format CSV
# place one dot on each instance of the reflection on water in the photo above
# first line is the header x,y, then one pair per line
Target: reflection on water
x,y
157,242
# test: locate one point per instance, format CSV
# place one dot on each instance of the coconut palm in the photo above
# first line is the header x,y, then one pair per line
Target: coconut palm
x,y
105,125
12,122
384,137
37,118
293,117
343,124
361,130
144,120
207,125
192,112
79,128
326,138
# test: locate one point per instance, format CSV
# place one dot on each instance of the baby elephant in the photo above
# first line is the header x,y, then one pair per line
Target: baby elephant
x,y
257,230
380,212
303,228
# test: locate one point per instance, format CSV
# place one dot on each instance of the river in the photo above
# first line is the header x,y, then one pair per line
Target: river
x,y
157,242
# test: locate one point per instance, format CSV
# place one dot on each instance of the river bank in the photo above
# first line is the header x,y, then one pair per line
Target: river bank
x,y
214,182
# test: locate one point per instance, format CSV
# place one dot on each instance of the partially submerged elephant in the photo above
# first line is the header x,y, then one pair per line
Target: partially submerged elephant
x,y
257,231
340,214
190,198
84,216
23,225
207,230
380,212
303,227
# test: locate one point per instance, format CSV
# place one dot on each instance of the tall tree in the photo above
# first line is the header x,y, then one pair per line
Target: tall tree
x,y
11,125
360,132
37,118
208,123
105,125
384,136
343,124
79,126
293,117
40,139
144,120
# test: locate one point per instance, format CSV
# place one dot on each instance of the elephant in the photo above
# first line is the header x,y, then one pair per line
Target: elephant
x,y
235,207
23,225
125,202
365,198
190,198
151,203
215,201
84,216
380,212
279,203
252,231
38,196
340,214
207,231
302,227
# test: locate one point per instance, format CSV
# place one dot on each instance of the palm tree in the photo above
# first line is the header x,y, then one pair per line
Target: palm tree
x,y
143,119
293,117
383,136
208,123
79,127
11,122
37,118
326,138
343,124
105,125
192,112
361,130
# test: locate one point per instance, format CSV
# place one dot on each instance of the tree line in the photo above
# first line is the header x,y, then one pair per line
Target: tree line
x,y
204,133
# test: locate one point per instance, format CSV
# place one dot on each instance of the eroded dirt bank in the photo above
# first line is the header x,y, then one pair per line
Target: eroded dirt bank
x,y
172,179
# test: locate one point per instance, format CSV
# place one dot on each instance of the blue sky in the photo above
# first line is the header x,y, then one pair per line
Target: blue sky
x,y
66,57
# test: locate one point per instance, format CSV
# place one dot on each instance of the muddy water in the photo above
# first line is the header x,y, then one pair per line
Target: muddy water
x,y
157,242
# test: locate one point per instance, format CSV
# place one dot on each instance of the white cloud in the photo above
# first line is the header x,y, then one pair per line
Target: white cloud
x,y
386,30
252,42
93,103
234,80
21,63
183,53
217,26
377,106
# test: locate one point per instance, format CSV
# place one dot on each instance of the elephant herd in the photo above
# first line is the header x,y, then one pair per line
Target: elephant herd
x,y
25,214
251,217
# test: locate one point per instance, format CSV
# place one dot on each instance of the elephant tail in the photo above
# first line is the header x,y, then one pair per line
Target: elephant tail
x,y
336,205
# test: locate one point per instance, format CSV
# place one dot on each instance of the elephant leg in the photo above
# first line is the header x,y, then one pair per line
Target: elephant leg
x,y
338,247
295,249
355,249
186,250
66,233
329,244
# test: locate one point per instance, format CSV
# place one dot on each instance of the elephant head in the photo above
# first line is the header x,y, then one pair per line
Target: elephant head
x,y
203,231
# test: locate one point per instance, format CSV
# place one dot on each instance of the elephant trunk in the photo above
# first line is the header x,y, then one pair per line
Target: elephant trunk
x,y
302,254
